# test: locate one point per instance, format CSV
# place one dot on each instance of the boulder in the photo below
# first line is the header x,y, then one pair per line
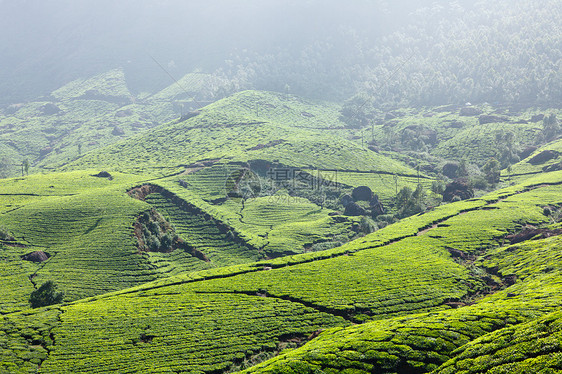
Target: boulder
x,y
377,208
530,232
543,157
352,209
484,119
103,174
537,118
49,109
459,189
457,124
553,167
362,193
124,113
450,170
117,131
527,152
469,111
346,200
37,256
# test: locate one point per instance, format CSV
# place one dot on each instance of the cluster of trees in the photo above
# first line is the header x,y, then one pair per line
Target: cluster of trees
x,y
400,52
45,295
444,53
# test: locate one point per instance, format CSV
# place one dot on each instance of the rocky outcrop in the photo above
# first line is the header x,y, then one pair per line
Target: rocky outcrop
x,y
459,189
450,170
484,119
470,111
353,209
362,193
37,256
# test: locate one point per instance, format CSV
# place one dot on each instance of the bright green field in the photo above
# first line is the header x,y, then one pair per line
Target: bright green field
x,y
384,300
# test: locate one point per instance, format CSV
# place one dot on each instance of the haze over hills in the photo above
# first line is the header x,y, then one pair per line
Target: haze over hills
x,y
280,187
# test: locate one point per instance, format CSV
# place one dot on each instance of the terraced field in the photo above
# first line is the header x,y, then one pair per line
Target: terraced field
x,y
83,115
463,298
204,234
85,228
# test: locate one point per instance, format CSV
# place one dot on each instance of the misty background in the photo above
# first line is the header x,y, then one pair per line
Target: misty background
x,y
390,52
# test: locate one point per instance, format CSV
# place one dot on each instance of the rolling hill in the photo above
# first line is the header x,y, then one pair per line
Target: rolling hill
x,y
261,234
477,281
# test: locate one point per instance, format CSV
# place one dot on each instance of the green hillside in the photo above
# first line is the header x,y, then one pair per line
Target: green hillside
x,y
224,241
546,158
281,187
469,284
83,115
236,129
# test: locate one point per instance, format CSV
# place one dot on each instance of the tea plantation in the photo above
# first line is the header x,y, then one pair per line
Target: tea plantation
x,y
444,291
263,233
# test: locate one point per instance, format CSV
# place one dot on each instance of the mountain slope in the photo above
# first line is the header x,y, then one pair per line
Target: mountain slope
x,y
413,283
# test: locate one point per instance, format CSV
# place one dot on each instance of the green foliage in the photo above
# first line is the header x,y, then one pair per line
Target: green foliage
x,y
438,186
410,202
45,295
358,111
492,171
551,127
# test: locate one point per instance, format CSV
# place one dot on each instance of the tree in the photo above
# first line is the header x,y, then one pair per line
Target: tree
x,y
358,111
462,171
5,165
551,127
45,295
25,167
409,203
438,186
492,171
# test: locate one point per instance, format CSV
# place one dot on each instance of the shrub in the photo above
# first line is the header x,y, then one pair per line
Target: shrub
x,y
367,225
438,187
154,227
154,244
479,183
4,234
166,242
45,295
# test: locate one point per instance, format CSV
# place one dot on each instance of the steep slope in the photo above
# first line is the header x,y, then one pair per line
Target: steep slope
x,y
83,225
